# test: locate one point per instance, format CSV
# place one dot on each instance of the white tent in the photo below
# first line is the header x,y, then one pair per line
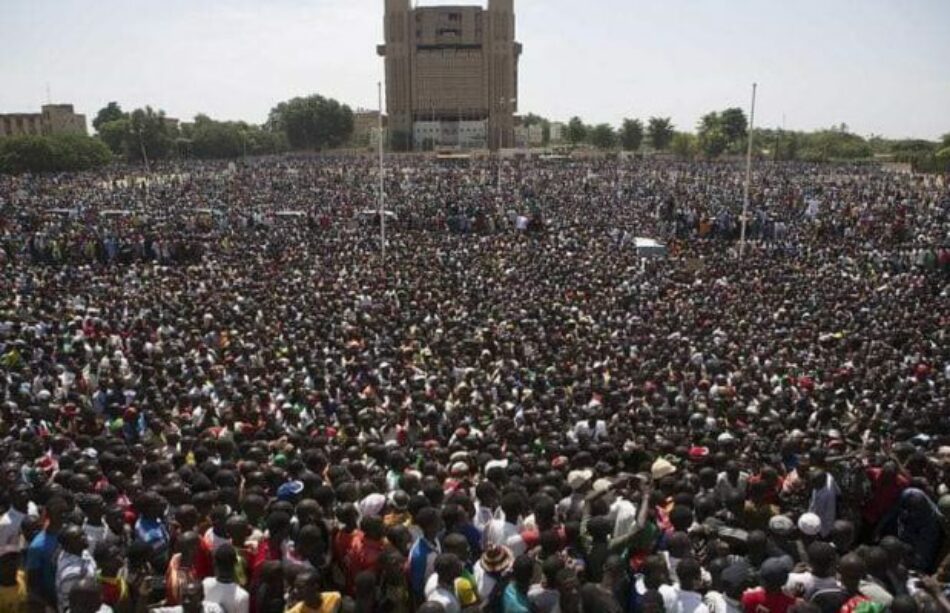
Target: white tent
x,y
648,247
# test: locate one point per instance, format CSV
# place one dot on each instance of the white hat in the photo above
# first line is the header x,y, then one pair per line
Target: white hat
x,y
372,505
809,524
493,463
661,468
577,478
725,437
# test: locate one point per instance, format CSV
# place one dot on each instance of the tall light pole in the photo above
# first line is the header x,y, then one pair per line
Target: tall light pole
x,y
382,210
503,104
748,175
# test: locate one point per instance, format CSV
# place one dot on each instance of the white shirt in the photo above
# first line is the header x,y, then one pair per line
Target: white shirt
x,y
446,598
94,534
809,582
484,580
582,429
501,532
720,603
688,602
10,538
70,570
231,596
206,607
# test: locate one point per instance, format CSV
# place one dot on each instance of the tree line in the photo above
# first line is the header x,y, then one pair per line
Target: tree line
x,y
147,134
725,132
302,123
316,123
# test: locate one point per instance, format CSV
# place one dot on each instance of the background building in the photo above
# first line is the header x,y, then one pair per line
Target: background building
x,y
365,128
451,74
52,119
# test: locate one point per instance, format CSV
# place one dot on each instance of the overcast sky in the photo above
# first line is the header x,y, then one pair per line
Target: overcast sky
x,y
881,66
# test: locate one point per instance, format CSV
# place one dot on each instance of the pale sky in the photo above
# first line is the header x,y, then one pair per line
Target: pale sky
x,y
881,66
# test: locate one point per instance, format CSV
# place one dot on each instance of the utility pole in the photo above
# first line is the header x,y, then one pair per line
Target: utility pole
x,y
748,175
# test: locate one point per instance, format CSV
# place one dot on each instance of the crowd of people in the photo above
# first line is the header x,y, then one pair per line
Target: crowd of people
x,y
221,395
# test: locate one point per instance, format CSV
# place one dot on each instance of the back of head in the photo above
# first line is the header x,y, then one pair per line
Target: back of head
x,y
447,567
523,570
852,570
822,558
85,596
225,557
689,572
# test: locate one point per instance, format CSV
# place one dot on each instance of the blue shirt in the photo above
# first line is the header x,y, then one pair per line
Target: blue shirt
x,y
514,601
421,563
41,558
154,533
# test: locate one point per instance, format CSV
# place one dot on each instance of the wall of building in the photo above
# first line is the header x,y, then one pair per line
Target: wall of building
x,y
52,119
451,64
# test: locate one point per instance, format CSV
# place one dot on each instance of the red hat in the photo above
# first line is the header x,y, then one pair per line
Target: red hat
x,y
698,453
70,409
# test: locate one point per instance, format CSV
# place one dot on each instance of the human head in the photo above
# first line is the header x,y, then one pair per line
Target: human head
x,y
822,558
307,587
448,567
851,571
192,597
523,571
689,573
225,557
73,540
85,596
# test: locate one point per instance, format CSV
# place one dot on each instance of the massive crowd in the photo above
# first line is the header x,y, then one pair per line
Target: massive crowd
x,y
218,395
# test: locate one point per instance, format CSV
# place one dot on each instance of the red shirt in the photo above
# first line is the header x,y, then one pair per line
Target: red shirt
x,y
883,497
364,555
263,554
760,601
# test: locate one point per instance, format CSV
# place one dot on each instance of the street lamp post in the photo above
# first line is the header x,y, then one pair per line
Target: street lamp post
x,y
748,176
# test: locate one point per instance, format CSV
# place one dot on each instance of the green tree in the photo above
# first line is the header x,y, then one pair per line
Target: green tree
x,y
56,153
711,135
313,122
148,135
631,134
108,113
576,131
115,134
945,140
683,145
215,139
733,124
660,132
603,136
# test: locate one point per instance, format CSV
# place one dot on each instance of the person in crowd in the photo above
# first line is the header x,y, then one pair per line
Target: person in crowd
x,y
236,409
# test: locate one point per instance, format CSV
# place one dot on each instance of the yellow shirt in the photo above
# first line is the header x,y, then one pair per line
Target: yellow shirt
x,y
13,597
329,603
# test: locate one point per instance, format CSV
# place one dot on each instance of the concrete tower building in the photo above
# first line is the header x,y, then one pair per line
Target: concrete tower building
x,y
451,73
